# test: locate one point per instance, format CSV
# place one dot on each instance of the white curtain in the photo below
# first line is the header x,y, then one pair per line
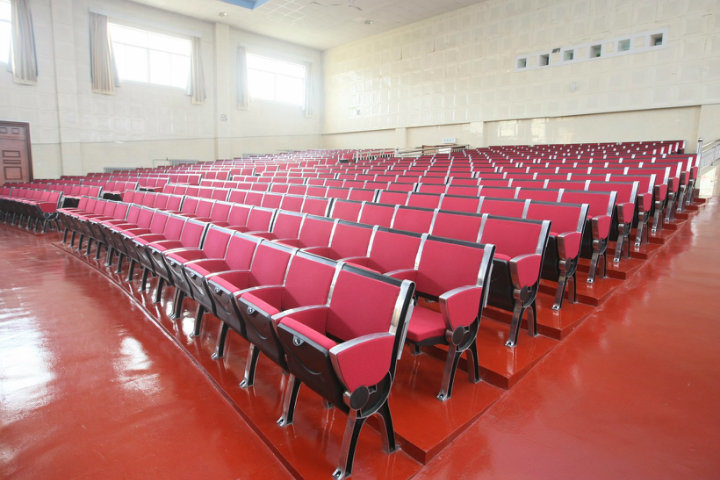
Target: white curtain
x,y
242,79
23,61
103,73
308,90
196,88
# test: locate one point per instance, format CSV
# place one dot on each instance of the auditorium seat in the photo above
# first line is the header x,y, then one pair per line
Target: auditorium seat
x,y
347,239
389,250
346,351
377,214
519,250
457,225
567,223
452,276
314,231
597,230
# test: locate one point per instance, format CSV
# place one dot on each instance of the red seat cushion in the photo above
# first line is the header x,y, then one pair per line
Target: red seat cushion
x,y
424,324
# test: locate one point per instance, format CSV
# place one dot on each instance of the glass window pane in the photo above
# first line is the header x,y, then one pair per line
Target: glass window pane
x,y
128,35
5,42
5,11
279,80
180,71
261,85
135,65
159,67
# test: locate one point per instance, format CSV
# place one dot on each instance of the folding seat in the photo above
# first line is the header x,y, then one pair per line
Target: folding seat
x,y
393,197
292,202
149,222
298,189
285,224
259,186
258,307
112,211
459,203
219,213
316,191
254,198
147,199
566,231
202,209
160,201
503,207
316,206
597,229
220,194
346,351
377,185
498,192
271,200
424,200
237,196
677,184
347,239
495,182
519,249
346,210
463,190
625,205
377,214
644,202
389,250
338,183
258,220
540,194
463,182
528,183
437,188
567,184
214,246
362,194
314,231
338,192
279,187
192,191
267,270
457,225
413,219
456,275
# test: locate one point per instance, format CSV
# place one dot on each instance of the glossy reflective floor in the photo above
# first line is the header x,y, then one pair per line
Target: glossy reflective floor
x,y
96,381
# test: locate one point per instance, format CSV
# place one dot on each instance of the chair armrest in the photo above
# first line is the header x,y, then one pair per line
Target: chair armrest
x,y
525,270
460,306
363,361
600,226
403,274
313,316
625,212
568,244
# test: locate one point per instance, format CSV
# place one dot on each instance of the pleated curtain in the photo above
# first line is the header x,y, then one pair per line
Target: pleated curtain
x,y
23,61
196,87
103,73
242,79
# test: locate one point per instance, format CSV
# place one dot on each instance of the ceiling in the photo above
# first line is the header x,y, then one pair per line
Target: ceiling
x,y
319,24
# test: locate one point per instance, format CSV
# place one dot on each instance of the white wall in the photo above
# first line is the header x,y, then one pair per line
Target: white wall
x,y
458,69
75,131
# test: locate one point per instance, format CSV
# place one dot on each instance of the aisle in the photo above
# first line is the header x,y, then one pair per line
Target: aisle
x,y
89,388
631,394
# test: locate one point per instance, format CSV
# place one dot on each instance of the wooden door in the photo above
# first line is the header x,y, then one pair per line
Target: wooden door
x,y
15,152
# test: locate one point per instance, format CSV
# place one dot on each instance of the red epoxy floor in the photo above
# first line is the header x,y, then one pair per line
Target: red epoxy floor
x,y
90,387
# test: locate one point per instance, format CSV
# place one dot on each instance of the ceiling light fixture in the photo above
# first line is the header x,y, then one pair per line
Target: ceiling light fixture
x,y
369,22
222,14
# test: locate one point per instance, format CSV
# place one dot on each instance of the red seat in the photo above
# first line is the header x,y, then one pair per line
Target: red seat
x,y
454,274
519,249
346,240
413,219
347,350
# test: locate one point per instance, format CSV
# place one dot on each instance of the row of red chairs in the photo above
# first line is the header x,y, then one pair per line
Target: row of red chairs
x,y
259,289
21,206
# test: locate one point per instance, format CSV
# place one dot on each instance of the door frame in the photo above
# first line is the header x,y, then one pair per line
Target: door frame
x,y
27,141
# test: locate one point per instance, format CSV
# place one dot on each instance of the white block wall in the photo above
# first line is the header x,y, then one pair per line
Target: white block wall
x,y
459,69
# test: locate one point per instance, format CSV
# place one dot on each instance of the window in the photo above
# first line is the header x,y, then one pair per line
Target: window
x,y
5,29
150,57
544,60
656,40
595,51
521,62
624,45
276,80
568,55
